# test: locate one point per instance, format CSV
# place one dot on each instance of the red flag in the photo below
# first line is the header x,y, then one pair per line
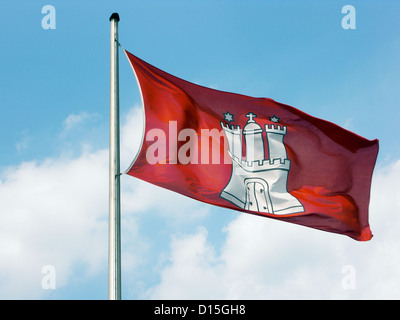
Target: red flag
x,y
253,155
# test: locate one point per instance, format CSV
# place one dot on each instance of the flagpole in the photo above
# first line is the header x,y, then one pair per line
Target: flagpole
x,y
114,258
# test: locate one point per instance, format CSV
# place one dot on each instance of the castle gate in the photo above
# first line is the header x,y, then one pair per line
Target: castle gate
x,y
257,195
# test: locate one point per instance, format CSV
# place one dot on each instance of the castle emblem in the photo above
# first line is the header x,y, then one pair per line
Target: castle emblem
x,y
258,184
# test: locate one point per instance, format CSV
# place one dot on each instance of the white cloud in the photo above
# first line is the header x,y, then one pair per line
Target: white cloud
x,y
55,212
194,270
74,120
267,259
50,212
131,135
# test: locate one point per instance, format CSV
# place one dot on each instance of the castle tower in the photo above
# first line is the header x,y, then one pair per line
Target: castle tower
x,y
276,148
234,138
254,141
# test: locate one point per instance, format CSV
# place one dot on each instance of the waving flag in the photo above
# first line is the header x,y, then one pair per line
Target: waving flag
x,y
253,155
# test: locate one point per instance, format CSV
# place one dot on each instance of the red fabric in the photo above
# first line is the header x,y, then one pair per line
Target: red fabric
x,y
330,167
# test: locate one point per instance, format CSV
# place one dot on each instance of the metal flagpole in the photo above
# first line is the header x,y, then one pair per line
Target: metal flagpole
x,y
114,256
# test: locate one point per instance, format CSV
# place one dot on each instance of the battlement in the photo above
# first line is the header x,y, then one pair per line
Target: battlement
x,y
264,165
232,129
275,129
268,129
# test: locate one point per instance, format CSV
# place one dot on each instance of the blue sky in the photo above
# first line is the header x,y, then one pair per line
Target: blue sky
x,y
54,111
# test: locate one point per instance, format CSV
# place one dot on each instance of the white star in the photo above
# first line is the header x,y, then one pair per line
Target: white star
x,y
228,116
274,119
